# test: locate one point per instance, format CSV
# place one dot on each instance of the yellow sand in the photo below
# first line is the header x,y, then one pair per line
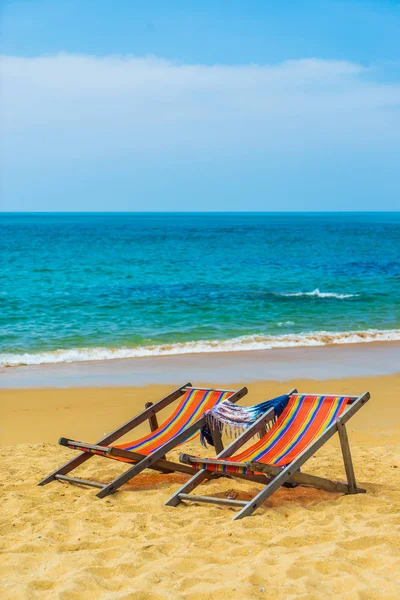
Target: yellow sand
x,y
60,541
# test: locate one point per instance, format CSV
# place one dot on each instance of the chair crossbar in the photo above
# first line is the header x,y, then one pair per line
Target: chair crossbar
x,y
350,401
66,442
271,471
203,389
95,484
212,500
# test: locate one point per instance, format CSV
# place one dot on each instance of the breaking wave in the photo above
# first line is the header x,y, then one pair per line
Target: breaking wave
x,y
319,294
244,343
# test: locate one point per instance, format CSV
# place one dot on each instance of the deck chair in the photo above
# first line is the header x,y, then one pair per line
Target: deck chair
x,y
148,452
307,422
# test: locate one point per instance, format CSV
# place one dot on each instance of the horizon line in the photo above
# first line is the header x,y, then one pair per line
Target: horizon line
x,y
195,212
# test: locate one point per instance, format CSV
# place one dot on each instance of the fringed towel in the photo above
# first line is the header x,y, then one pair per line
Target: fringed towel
x,y
233,419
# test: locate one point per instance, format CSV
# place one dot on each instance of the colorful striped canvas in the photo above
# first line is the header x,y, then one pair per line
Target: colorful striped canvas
x,y
304,419
191,407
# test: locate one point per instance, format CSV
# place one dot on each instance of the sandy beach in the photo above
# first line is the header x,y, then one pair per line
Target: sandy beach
x,y
60,541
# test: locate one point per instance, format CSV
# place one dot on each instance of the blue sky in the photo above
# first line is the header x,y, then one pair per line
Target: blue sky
x,y
212,105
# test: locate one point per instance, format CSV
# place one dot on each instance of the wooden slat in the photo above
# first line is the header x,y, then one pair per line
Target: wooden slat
x,y
188,487
348,463
96,484
351,398
162,465
325,394
190,459
212,500
189,387
353,408
217,439
153,422
68,443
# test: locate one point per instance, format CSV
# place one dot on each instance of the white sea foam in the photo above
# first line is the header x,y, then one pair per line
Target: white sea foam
x,y
319,294
245,343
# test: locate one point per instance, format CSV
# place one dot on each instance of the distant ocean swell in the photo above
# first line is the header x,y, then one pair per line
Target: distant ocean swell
x,y
244,343
317,294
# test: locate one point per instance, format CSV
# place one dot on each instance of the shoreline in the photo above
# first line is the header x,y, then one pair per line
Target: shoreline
x,y
245,343
319,362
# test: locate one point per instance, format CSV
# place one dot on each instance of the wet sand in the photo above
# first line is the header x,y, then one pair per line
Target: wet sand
x,y
321,362
60,541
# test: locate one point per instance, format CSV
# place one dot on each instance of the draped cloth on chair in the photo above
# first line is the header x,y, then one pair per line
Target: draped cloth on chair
x,y
232,419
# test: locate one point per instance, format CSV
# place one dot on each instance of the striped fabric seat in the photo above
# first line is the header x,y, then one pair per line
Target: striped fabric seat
x,y
303,420
192,406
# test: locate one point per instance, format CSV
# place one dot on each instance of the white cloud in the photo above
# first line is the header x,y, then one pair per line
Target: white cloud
x,y
118,104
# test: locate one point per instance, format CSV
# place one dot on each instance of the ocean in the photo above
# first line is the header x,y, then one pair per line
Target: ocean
x,y
92,286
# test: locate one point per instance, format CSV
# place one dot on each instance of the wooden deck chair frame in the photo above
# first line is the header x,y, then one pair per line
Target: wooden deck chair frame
x,y
155,461
279,475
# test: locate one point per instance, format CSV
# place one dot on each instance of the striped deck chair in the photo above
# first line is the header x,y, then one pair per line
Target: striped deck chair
x,y
148,452
307,422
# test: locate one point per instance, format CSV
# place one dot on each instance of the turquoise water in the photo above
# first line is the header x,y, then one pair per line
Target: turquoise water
x,y
90,286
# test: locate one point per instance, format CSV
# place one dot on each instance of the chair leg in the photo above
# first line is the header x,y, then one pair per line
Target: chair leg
x,y
217,439
348,463
262,496
118,481
67,467
153,421
188,487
